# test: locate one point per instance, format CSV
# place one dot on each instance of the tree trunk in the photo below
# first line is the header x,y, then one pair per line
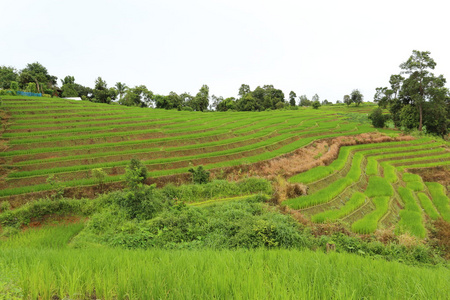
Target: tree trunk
x,y
420,117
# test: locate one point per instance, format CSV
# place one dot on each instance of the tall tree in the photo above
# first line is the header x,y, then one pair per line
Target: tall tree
x,y
7,74
347,100
121,88
292,96
244,90
304,101
421,82
101,92
201,100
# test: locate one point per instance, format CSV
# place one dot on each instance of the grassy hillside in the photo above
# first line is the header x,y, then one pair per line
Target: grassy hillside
x,y
44,136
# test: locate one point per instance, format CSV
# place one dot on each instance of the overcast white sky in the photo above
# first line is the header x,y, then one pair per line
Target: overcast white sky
x,y
323,47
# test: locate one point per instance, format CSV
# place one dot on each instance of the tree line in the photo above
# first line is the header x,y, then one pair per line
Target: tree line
x,y
36,78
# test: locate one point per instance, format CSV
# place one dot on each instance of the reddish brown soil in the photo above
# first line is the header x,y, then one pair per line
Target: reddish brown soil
x,y
53,220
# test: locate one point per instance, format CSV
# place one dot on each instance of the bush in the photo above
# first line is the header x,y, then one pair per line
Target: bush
x,y
135,173
14,86
199,176
316,104
377,118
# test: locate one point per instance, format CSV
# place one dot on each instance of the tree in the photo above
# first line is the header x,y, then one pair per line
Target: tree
x,y
325,102
356,97
7,75
121,88
347,100
201,100
244,90
138,96
37,73
421,84
226,104
101,92
68,87
292,96
315,98
383,96
304,101
199,176
14,86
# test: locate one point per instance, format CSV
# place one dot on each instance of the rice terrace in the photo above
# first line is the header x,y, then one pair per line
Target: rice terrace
x,y
258,198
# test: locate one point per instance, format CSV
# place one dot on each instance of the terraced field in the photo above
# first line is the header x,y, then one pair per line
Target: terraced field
x,y
70,138
369,187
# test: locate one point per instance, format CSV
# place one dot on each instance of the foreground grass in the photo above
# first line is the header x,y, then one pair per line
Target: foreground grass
x,y
35,266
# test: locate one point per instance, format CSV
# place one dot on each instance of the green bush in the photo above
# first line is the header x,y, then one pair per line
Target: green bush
x,y
199,176
135,173
377,118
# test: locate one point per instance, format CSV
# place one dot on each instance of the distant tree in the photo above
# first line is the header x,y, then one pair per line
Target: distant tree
x,y
292,96
315,98
356,97
244,90
201,100
247,103
382,96
396,84
325,102
101,92
304,101
7,75
121,88
31,87
347,100
68,87
316,104
227,104
215,100
14,86
138,96
68,80
37,73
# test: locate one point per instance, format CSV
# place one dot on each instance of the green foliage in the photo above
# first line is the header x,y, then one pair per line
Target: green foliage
x,y
428,206
135,174
5,206
14,86
316,104
39,209
356,97
100,175
199,175
56,185
377,118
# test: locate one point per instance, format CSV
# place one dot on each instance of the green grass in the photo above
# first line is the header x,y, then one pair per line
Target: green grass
x,y
49,270
411,216
428,206
351,205
440,199
369,223
378,186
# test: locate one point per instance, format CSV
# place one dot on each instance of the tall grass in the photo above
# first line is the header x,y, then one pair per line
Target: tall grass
x,y
242,274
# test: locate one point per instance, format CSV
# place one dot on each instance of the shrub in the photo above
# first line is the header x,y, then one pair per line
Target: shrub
x,y
99,176
377,118
199,176
14,86
135,173
316,104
